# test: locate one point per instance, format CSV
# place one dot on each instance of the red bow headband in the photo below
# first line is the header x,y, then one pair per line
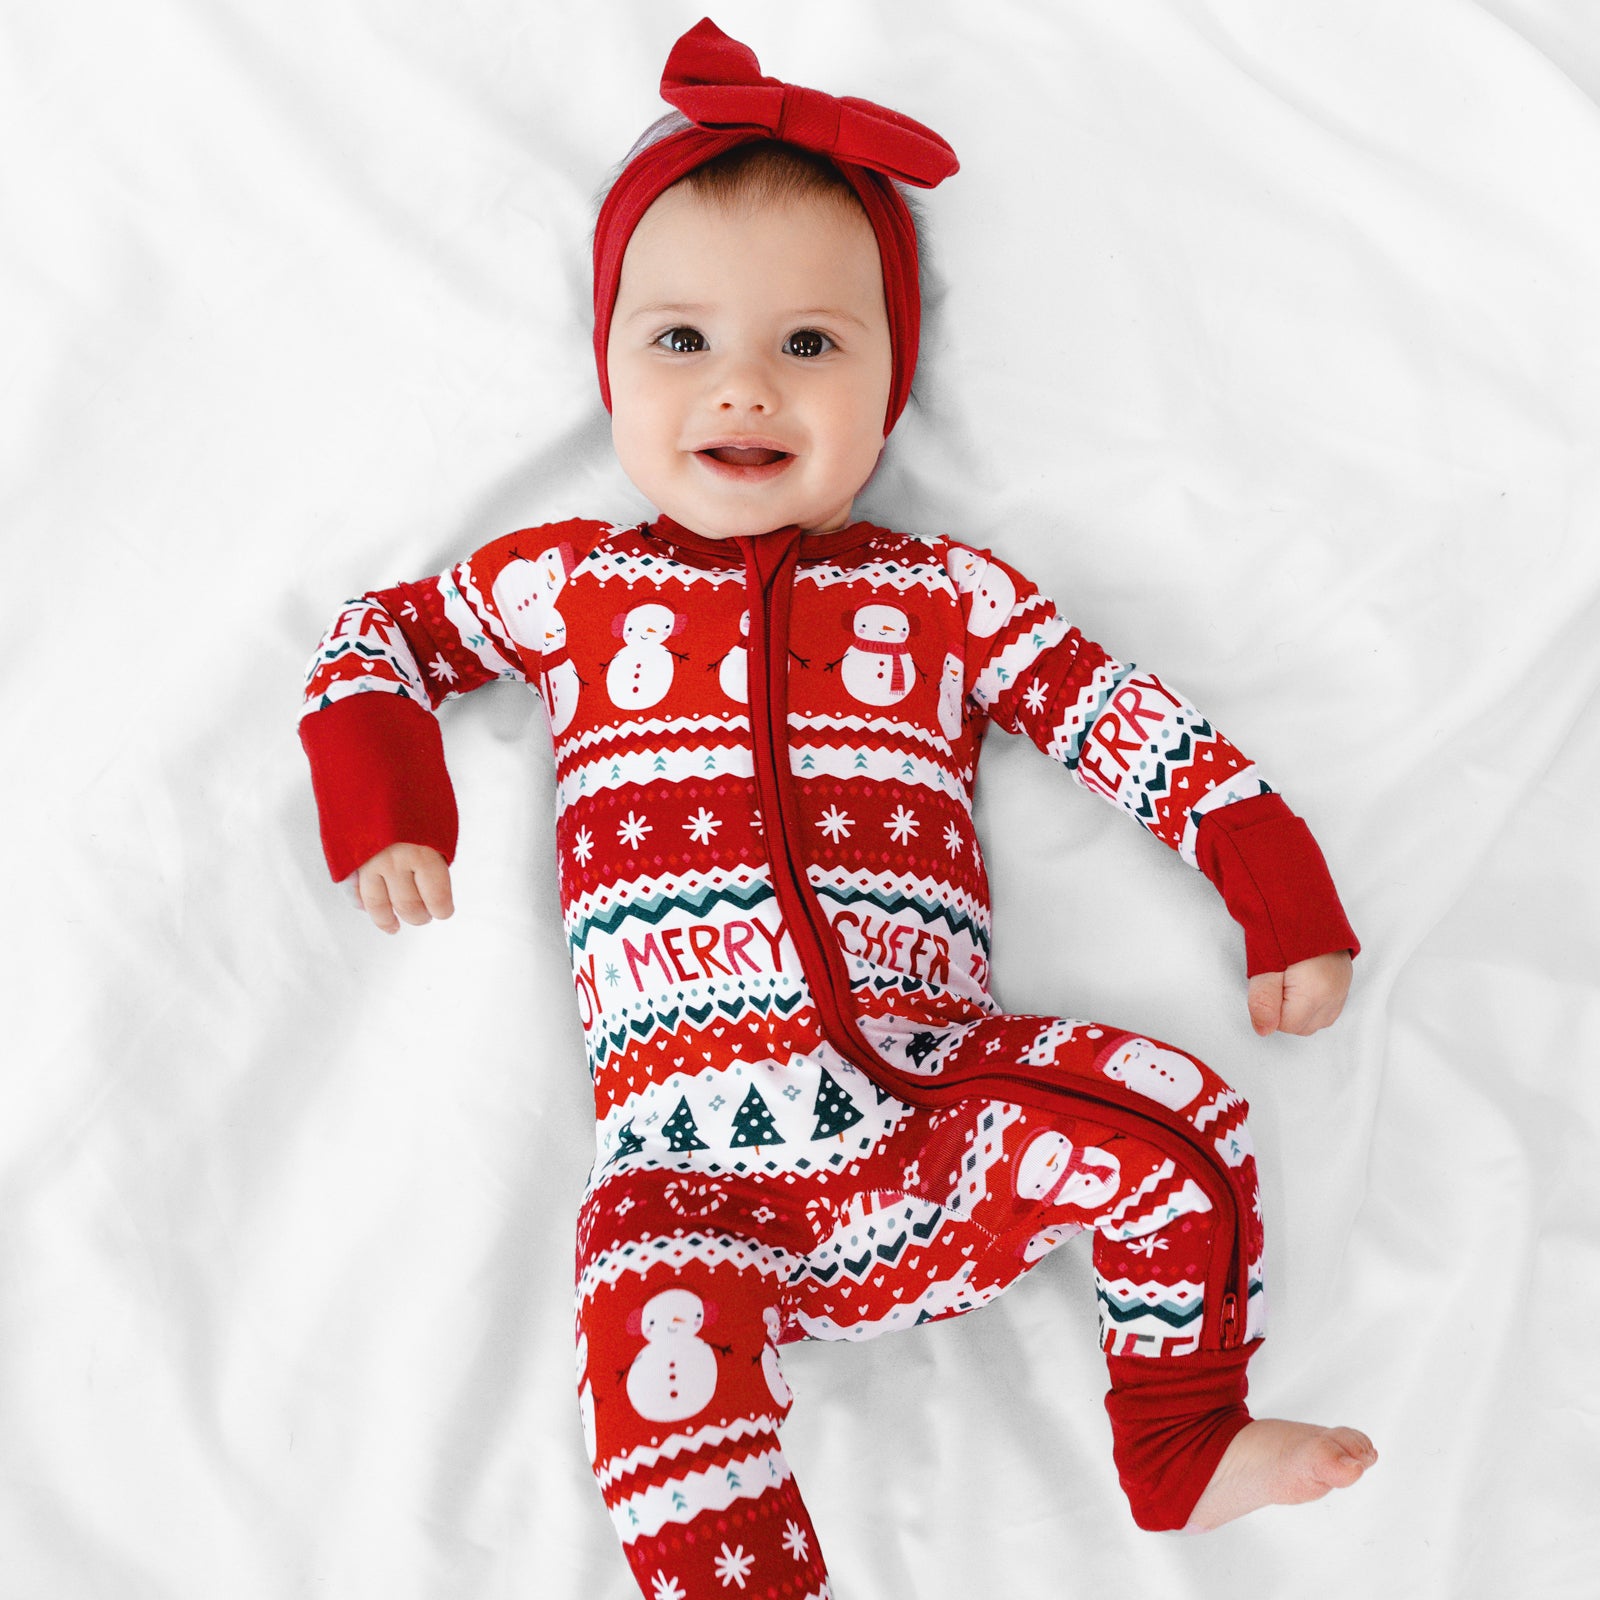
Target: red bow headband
x,y
716,82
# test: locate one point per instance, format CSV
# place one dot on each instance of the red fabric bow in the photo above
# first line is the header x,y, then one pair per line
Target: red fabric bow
x,y
717,83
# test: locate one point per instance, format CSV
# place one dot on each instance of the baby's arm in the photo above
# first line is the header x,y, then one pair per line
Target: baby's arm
x,y
384,797
1124,734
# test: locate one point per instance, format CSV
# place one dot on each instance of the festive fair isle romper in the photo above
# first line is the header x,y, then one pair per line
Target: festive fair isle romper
x,y
812,1121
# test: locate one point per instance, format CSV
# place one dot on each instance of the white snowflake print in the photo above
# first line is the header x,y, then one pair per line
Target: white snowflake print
x,y
733,1566
952,838
582,845
701,826
902,825
442,670
794,1541
1147,1246
835,823
633,830
1035,698
668,1588
763,1214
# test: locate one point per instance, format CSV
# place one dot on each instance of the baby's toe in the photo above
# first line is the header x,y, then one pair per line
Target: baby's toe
x,y
1342,1455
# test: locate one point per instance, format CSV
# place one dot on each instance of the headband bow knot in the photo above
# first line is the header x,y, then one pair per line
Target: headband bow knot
x,y
717,83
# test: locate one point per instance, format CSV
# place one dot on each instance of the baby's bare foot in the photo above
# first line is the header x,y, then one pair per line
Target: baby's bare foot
x,y
1275,1463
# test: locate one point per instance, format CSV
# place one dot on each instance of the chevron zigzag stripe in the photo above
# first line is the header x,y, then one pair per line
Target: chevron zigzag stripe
x,y
606,565
744,888
644,1255
1127,1316
848,724
900,575
609,1041
712,1489
646,1456
619,732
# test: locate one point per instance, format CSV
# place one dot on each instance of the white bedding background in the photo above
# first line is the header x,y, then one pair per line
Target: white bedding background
x,y
1266,337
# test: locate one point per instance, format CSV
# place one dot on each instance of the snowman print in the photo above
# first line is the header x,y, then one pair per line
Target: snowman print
x,y
952,691
640,673
993,593
1046,1239
525,595
782,1394
733,672
878,669
1162,1075
675,1375
1050,1168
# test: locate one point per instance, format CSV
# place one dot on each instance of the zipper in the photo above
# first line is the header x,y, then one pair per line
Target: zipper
x,y
770,563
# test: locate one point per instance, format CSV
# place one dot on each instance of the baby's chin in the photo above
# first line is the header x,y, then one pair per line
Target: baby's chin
x,y
752,524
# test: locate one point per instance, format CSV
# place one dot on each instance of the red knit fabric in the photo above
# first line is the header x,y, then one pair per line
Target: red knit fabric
x,y
377,766
717,83
1171,1421
1275,883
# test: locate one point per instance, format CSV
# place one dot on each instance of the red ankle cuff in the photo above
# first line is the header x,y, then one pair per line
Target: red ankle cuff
x,y
1171,1421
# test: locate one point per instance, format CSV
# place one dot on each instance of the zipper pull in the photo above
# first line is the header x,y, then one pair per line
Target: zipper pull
x,y
1230,1321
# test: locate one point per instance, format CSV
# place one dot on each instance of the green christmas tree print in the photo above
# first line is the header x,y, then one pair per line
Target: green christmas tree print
x,y
834,1110
753,1124
628,1142
681,1130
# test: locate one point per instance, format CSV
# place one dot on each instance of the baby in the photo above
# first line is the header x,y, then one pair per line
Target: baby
x,y
812,1119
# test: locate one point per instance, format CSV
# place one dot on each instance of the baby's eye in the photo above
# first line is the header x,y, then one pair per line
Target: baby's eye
x,y
807,342
683,341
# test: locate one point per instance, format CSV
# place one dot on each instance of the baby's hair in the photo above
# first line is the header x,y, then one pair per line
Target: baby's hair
x,y
766,172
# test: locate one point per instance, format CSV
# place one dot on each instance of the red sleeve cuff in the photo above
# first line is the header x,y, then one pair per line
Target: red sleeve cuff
x,y
1274,882
377,768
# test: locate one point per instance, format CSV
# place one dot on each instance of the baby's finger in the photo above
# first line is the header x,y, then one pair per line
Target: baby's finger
x,y
1266,1002
374,893
407,900
433,884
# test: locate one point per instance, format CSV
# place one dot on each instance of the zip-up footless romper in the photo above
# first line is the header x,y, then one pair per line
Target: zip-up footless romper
x,y
812,1121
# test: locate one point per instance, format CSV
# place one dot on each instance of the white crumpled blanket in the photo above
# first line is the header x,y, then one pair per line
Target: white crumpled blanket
x,y
1266,337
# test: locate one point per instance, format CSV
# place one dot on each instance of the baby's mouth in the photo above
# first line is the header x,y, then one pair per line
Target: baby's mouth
x,y
732,455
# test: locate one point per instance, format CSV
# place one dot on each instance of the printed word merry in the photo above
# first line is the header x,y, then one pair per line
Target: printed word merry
x,y
1124,727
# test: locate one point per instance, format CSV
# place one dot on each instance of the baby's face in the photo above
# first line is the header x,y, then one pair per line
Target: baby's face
x,y
749,362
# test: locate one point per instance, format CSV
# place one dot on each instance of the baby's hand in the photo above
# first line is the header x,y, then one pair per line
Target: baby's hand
x,y
405,883
1303,997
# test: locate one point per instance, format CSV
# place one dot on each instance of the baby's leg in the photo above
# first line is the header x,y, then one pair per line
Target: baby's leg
x,y
1187,1450
681,1395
